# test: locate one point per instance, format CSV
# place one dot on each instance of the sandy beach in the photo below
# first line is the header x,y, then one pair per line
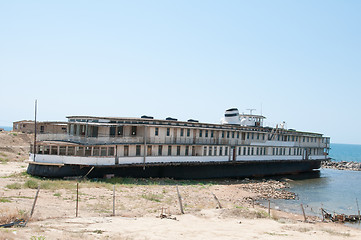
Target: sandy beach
x,y
139,204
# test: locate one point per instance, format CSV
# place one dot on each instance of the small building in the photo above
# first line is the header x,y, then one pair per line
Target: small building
x,y
28,126
1,129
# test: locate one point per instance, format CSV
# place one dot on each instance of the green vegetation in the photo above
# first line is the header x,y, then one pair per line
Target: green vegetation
x,y
57,194
4,200
152,197
31,184
37,238
13,186
4,160
261,214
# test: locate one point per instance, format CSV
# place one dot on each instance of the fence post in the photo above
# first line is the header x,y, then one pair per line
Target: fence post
x,y
77,199
35,199
180,201
113,200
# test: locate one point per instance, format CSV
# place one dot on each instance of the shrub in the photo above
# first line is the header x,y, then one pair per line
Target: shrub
x,y
13,186
31,184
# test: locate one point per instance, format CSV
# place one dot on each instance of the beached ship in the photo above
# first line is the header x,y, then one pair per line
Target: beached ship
x,y
240,146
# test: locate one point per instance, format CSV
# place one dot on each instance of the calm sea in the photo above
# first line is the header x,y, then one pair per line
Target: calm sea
x,y
334,190
6,128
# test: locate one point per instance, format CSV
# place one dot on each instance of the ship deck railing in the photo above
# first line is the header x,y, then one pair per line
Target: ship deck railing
x,y
109,140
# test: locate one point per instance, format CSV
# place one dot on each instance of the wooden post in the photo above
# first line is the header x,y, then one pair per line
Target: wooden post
x,y
269,208
77,199
303,211
36,106
358,210
113,200
35,199
215,197
323,215
180,201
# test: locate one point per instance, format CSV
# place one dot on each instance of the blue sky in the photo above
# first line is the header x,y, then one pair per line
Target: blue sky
x,y
299,60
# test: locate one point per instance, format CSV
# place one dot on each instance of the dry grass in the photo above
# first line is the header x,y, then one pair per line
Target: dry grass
x,y
8,215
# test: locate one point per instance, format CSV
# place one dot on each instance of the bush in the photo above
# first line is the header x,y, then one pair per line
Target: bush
x,y
31,184
14,186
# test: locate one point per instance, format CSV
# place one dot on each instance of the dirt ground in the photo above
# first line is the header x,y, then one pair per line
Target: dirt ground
x,y
139,204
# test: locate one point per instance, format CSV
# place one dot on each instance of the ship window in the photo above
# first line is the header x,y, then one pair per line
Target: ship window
x,y
88,151
200,132
226,151
168,132
169,150
95,151
126,151
156,131
54,150
71,151
120,130
188,132
160,150
149,150
181,132
111,151
79,151
134,130
187,151
220,151
137,150
62,150
103,151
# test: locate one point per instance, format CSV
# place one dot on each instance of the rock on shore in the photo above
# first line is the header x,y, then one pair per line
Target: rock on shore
x,y
354,166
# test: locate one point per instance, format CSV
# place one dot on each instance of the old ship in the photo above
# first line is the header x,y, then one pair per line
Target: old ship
x,y
240,146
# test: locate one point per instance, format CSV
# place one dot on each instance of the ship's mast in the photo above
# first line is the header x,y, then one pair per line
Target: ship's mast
x,y
36,105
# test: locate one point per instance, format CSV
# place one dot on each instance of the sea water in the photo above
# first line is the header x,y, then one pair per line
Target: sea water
x,y
6,128
336,191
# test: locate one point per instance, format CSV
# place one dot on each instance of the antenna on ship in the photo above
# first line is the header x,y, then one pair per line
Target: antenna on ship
x,y
36,105
250,110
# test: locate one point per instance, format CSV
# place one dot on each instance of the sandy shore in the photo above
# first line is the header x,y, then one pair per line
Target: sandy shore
x,y
138,205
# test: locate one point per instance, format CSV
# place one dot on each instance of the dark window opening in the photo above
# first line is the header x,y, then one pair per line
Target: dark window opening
x,y
120,130
137,151
134,130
